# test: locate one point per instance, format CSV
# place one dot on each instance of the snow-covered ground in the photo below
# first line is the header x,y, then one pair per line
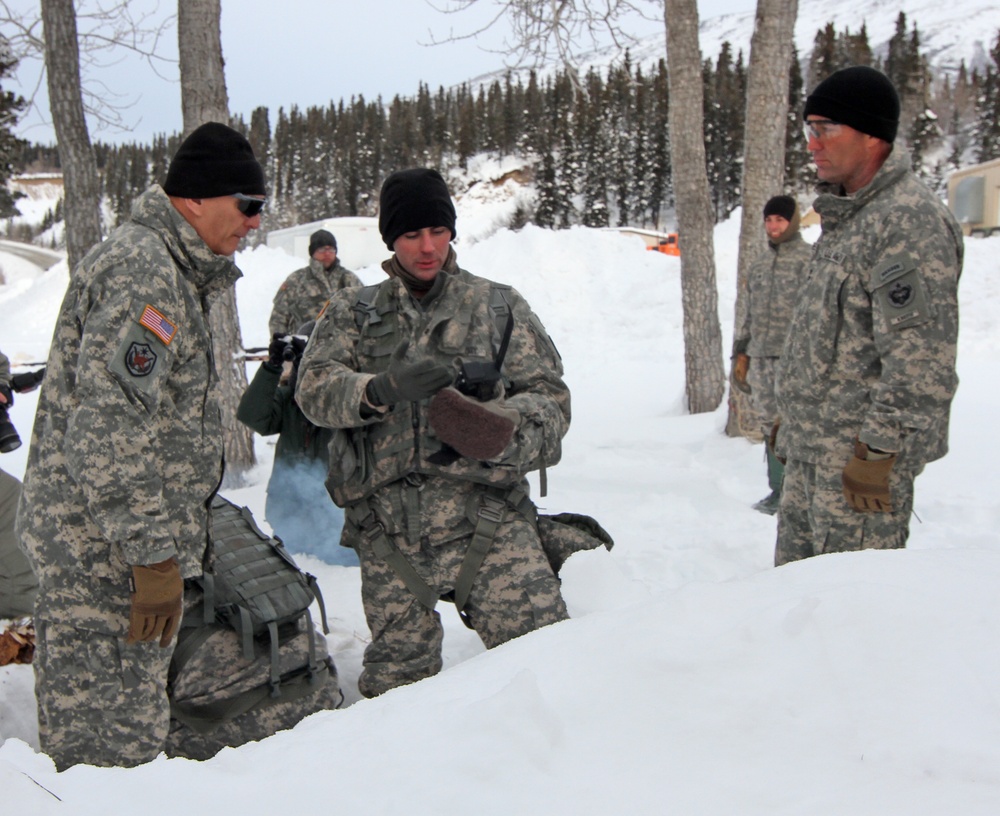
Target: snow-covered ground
x,y
693,678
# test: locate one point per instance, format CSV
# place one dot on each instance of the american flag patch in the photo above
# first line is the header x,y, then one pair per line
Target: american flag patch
x,y
158,324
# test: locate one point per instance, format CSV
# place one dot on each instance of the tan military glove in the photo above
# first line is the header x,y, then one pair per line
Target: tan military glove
x,y
866,480
741,365
157,595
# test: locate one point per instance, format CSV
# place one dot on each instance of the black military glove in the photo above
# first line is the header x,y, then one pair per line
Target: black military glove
x,y
27,381
278,349
407,382
157,592
8,396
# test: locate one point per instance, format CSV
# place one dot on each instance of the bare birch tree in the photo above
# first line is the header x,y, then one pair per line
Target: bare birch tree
x,y
56,37
556,27
771,50
81,191
704,372
204,99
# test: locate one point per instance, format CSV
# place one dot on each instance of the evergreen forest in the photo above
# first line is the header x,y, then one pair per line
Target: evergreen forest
x,y
596,147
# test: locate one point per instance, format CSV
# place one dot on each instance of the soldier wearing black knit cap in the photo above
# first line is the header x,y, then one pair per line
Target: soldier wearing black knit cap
x,y
126,454
867,372
773,282
432,480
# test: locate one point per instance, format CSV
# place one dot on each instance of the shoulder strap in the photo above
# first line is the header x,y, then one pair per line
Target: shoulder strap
x,y
503,318
364,305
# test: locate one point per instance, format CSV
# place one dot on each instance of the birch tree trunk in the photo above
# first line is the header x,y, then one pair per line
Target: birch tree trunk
x,y
704,372
81,191
763,158
204,99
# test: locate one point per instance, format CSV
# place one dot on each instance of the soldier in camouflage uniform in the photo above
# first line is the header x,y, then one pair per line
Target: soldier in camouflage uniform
x,y
867,373
127,453
433,482
773,282
302,295
17,581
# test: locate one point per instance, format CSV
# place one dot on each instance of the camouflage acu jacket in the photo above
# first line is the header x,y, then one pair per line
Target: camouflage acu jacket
x,y
302,296
872,345
453,326
127,444
773,284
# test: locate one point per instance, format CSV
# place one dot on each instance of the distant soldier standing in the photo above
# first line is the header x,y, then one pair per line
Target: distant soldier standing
x,y
301,297
867,374
773,283
433,481
127,453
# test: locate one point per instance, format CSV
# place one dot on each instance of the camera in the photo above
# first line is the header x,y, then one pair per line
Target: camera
x,y
478,380
9,440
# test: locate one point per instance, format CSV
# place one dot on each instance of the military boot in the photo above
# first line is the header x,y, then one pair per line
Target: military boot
x,y
775,476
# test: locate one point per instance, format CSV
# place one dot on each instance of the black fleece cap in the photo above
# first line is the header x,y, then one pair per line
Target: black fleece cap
x,y
780,205
411,200
321,238
213,161
859,96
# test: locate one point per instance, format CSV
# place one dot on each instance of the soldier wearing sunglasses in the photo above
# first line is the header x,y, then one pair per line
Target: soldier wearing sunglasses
x,y
127,453
867,372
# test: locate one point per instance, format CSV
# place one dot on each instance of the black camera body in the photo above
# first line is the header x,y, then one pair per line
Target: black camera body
x,y
478,380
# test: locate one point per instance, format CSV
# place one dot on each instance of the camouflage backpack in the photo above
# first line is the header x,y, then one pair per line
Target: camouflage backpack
x,y
251,587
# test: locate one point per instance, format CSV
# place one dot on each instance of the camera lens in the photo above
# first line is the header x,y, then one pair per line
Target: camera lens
x,y
9,440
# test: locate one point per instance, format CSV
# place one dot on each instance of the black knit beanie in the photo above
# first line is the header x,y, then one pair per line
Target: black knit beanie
x,y
860,97
780,205
411,200
213,161
321,238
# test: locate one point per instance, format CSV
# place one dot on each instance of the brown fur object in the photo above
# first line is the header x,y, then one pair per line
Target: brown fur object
x,y
479,430
17,644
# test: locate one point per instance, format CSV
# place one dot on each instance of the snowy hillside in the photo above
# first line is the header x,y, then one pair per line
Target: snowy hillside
x,y
694,678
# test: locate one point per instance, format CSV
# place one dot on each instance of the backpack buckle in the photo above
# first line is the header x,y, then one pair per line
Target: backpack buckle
x,y
491,509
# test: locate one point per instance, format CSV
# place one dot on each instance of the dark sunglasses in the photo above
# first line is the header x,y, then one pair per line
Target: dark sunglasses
x,y
248,205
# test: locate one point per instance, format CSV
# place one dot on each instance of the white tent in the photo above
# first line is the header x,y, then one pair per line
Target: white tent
x,y
358,241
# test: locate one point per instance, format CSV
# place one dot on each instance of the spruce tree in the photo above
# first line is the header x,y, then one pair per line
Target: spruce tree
x,y
11,105
987,131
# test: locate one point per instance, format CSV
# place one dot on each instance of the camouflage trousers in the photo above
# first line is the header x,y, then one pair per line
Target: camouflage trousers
x,y
515,590
100,701
18,584
761,378
815,518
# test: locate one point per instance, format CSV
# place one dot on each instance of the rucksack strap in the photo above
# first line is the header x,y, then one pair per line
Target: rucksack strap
x,y
373,532
292,686
364,306
489,517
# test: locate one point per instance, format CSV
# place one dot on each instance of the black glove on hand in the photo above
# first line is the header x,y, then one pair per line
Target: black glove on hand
x,y
276,351
407,382
8,397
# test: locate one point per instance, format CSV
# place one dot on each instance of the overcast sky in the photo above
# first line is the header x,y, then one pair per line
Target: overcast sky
x,y
281,53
